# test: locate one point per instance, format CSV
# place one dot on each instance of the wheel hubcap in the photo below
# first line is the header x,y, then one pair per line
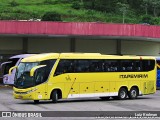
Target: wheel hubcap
x,y
122,94
56,96
133,93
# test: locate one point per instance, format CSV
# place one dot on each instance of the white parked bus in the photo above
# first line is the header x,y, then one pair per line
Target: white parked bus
x,y
5,66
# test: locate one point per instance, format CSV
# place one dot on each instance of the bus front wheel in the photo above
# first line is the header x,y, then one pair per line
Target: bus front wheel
x,y
54,96
133,93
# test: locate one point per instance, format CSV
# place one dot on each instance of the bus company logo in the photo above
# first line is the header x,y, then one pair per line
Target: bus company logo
x,y
6,114
134,76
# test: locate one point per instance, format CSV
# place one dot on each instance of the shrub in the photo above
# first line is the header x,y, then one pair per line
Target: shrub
x,y
51,16
76,5
147,19
13,3
48,2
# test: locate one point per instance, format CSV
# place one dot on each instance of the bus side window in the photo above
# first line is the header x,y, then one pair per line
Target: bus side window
x,y
127,65
110,65
148,65
42,74
65,66
138,65
96,65
82,66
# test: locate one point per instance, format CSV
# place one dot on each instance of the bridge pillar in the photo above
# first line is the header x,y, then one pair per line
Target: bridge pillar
x,y
25,45
72,44
119,47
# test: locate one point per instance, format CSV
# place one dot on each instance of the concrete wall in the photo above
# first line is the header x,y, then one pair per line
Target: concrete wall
x,y
98,46
140,48
10,45
42,45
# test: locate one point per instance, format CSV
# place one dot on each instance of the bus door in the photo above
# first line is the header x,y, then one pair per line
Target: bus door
x,y
41,76
41,85
65,73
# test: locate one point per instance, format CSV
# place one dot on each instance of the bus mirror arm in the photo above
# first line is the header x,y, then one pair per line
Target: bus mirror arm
x,y
10,70
32,71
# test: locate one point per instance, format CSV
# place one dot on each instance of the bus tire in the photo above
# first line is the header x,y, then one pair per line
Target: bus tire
x,y
133,93
54,96
122,94
36,101
104,98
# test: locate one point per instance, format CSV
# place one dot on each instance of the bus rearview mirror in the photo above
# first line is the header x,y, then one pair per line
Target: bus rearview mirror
x,y
10,70
35,68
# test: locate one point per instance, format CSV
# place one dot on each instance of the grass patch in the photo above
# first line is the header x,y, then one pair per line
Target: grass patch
x,y
26,10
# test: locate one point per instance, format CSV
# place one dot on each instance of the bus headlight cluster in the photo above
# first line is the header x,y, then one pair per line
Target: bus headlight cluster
x,y
32,90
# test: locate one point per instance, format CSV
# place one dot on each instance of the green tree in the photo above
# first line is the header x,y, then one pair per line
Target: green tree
x,y
146,5
123,9
51,16
103,5
155,4
151,5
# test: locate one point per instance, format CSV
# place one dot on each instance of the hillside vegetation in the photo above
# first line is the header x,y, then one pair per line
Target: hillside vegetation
x,y
111,11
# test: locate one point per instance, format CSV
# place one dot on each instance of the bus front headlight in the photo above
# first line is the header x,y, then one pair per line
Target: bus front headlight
x,y
32,90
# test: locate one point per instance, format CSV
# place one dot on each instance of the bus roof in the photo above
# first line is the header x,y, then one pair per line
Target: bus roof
x,y
21,56
157,58
46,56
41,57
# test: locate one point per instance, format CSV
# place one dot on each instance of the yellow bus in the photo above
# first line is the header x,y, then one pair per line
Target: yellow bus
x,y
54,76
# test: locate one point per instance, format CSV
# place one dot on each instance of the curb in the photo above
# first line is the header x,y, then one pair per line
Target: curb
x,y
5,86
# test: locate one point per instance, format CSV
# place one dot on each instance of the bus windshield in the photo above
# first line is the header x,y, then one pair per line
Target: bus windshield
x,y
23,78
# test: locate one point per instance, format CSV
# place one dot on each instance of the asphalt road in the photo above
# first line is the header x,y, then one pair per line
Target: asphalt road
x,y
142,103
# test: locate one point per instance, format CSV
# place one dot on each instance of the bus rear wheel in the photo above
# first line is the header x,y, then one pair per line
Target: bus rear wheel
x,y
122,94
133,93
54,96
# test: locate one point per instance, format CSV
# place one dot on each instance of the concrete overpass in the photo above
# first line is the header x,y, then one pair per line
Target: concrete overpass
x,y
35,37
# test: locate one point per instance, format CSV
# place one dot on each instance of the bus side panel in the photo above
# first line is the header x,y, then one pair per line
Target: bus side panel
x,y
54,84
112,87
86,88
71,90
99,87
149,87
132,83
122,83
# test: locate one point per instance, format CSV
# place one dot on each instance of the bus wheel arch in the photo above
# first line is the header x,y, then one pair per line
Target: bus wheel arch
x,y
133,92
122,93
55,95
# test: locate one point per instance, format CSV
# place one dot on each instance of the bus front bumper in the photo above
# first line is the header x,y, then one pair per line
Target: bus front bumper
x,y
29,96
